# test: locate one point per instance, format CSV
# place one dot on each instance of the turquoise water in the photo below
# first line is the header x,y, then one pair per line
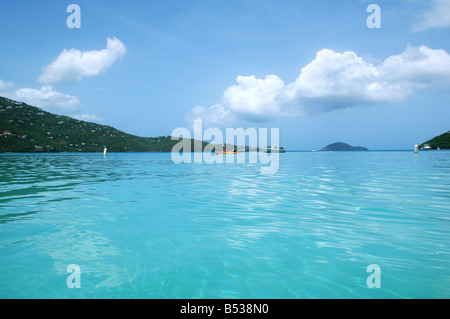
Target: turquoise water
x,y
140,226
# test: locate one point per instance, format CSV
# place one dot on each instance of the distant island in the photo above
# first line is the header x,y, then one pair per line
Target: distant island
x,y
442,142
339,146
28,129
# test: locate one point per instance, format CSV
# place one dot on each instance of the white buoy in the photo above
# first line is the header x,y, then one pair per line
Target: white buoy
x,y
105,151
416,149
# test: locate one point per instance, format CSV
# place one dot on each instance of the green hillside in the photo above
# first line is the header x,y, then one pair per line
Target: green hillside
x,y
441,141
25,128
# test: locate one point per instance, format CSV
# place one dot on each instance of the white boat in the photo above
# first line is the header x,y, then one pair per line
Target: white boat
x,y
274,149
426,147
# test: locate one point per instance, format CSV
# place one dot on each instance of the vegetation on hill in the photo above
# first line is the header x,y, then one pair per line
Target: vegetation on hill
x,y
25,128
442,141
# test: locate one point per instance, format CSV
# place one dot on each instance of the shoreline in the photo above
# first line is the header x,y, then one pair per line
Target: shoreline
x,y
150,152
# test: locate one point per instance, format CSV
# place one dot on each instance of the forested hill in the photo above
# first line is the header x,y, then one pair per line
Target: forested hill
x,y
442,141
25,128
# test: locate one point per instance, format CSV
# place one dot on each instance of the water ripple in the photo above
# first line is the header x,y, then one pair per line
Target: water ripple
x,y
141,226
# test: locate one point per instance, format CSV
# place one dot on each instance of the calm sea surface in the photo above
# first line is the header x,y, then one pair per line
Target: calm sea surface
x,y
141,226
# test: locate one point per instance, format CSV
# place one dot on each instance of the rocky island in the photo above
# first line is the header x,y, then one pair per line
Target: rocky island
x,y
339,146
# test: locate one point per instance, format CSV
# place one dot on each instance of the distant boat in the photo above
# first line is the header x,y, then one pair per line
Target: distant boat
x,y
223,152
233,151
426,147
274,149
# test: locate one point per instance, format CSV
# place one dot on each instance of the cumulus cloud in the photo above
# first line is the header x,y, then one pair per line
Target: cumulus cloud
x,y
331,81
89,117
254,99
438,16
335,80
251,99
213,116
46,97
338,80
75,64
5,85
417,64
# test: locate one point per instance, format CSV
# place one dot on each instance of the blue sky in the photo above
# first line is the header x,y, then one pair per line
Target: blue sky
x,y
311,68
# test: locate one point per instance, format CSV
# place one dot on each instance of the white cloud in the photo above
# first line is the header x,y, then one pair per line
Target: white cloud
x,y
89,117
254,99
5,85
335,80
46,97
438,16
75,64
417,64
331,81
331,74
214,116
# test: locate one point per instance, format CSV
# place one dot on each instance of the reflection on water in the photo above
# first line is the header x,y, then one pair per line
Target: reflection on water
x,y
140,226
4,218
